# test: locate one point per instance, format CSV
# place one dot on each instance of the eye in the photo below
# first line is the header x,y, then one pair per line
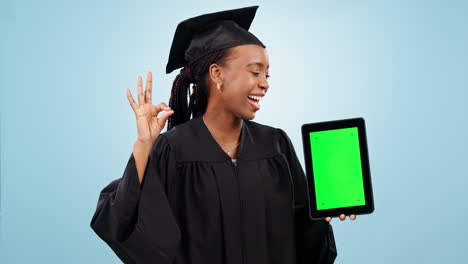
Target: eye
x,y
257,74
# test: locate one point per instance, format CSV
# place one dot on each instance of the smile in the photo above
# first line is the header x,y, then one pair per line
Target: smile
x,y
254,101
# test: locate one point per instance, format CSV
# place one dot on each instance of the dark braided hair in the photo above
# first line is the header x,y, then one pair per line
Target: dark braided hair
x,y
194,73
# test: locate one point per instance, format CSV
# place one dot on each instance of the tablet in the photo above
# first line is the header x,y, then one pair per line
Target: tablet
x,y
337,168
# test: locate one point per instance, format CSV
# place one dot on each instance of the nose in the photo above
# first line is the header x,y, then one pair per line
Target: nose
x,y
264,84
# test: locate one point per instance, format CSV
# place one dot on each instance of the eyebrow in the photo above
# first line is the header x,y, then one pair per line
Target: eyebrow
x,y
257,63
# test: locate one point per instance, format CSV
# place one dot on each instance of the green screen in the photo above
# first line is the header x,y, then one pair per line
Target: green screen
x,y
337,168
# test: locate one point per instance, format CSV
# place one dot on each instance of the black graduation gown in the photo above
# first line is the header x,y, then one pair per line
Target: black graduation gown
x,y
196,206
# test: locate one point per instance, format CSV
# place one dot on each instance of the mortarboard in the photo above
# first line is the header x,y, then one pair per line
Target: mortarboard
x,y
198,36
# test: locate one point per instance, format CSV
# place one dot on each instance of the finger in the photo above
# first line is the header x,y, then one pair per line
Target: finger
x,y
162,120
149,88
328,219
352,217
342,217
162,106
131,101
141,97
165,105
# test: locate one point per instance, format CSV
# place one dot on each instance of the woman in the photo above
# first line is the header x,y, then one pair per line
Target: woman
x,y
217,188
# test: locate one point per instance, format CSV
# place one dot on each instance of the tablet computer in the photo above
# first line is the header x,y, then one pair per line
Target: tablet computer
x,y
337,168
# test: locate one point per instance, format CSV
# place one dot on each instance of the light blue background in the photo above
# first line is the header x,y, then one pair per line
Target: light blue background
x,y
67,129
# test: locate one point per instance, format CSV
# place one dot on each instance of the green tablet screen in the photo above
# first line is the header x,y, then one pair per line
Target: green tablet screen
x,y
337,168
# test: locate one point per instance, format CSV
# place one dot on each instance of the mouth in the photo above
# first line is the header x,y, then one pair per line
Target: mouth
x,y
254,101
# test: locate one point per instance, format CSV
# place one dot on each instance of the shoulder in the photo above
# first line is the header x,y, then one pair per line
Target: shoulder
x,y
282,141
272,138
259,128
160,146
181,133
186,139
266,131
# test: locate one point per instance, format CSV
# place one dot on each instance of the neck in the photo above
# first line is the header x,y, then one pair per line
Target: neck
x,y
225,127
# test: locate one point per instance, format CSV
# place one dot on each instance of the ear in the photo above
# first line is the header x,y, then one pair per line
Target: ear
x,y
216,73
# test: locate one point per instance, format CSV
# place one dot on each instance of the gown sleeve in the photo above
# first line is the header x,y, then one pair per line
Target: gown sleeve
x,y
135,219
315,241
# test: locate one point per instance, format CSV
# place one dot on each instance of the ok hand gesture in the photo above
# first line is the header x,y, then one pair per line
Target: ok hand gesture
x,y
149,125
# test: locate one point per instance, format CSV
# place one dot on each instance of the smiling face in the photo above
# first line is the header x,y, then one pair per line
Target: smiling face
x,y
243,81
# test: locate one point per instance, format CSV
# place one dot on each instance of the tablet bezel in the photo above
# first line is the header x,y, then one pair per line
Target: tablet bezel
x,y
330,125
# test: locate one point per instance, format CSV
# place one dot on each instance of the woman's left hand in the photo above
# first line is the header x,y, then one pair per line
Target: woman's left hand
x,y
342,217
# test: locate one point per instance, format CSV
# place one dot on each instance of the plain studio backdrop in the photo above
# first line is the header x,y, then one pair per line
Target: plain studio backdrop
x,y
67,129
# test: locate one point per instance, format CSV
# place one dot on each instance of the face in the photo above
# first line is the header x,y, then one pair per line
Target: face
x,y
244,80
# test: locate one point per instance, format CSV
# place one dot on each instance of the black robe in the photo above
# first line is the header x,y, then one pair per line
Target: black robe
x,y
197,206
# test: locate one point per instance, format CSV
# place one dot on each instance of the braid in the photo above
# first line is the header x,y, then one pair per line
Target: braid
x,y
198,100
178,100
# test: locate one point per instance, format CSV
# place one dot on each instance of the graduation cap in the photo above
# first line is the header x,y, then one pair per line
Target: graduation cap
x,y
198,36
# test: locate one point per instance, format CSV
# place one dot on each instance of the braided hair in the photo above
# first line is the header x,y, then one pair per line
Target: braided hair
x,y
194,73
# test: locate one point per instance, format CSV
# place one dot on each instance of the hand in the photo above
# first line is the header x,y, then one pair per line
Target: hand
x,y
342,217
148,124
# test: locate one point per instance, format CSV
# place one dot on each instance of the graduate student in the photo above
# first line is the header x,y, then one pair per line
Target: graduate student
x,y
216,187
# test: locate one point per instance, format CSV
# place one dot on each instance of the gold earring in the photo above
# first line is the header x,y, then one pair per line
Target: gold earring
x,y
218,86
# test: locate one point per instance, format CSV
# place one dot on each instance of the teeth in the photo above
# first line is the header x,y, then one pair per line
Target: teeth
x,y
256,98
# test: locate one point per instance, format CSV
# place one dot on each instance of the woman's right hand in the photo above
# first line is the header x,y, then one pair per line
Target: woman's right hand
x,y
149,125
